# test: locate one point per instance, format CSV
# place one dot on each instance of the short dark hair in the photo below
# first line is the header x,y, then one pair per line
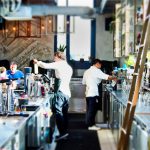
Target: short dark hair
x,y
95,61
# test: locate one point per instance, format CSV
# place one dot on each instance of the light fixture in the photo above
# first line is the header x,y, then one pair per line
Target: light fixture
x,y
38,26
10,29
46,25
63,24
16,29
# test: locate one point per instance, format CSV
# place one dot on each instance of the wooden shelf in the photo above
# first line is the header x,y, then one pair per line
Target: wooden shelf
x,y
125,27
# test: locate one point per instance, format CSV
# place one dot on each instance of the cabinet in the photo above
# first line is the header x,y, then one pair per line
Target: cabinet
x,y
33,131
139,136
129,19
129,29
114,117
140,15
124,29
117,112
138,22
117,33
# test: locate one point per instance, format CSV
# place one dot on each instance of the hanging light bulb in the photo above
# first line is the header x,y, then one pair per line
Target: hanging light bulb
x,y
14,28
49,21
42,27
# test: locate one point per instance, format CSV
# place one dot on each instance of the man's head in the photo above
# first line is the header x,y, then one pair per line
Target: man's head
x,y
13,67
97,63
59,56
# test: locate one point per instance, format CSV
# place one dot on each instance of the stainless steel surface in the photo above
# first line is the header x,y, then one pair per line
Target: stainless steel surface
x,y
77,100
77,88
9,126
34,130
13,128
141,125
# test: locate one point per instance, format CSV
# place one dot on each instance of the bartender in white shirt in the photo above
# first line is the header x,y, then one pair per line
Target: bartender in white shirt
x,y
63,72
91,79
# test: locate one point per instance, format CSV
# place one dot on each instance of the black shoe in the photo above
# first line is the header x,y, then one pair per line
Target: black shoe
x,y
61,137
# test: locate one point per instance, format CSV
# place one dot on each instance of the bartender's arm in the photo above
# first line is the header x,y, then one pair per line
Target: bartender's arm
x,y
112,78
53,65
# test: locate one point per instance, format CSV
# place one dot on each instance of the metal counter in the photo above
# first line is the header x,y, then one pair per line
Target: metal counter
x,y
142,112
13,129
140,131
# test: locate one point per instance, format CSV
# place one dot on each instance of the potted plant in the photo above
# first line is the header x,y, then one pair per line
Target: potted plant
x,y
61,48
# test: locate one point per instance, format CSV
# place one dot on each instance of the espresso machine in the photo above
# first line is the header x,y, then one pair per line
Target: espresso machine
x,y
6,97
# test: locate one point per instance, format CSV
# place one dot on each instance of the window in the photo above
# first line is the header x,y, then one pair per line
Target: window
x,y
80,40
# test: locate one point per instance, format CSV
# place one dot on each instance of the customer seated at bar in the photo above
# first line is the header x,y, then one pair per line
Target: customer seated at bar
x,y
14,74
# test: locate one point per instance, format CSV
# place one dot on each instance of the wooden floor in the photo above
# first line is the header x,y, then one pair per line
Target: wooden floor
x,y
106,139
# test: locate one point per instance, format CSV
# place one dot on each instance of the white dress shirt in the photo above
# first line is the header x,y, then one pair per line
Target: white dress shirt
x,y
63,71
91,78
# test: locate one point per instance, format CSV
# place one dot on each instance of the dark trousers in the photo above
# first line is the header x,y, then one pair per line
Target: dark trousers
x,y
60,110
91,110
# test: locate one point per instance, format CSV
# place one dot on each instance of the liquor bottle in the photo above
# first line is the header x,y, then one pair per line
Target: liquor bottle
x,y
36,69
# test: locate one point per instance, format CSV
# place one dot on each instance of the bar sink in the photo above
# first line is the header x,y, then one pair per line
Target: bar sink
x,y
31,108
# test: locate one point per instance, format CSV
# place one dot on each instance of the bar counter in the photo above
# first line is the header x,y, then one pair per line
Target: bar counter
x,y
142,112
15,129
140,132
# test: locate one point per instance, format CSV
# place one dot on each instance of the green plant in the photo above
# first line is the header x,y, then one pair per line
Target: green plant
x,y
61,48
